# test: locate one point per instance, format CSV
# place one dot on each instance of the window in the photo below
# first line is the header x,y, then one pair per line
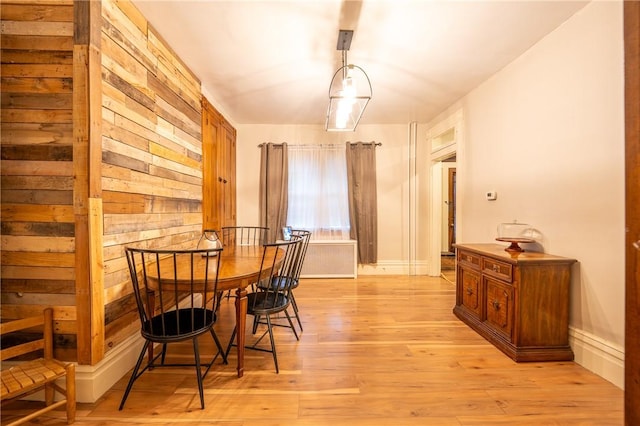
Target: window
x,y
318,192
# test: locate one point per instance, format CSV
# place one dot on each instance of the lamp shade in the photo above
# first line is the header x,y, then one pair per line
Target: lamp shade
x,y
349,94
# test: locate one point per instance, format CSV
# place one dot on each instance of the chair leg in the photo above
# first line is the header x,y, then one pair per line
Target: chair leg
x,y
219,300
223,354
71,392
134,374
295,310
164,353
233,335
291,324
196,354
48,394
256,321
273,343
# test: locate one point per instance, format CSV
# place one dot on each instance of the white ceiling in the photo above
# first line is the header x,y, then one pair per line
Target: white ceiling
x,y
271,61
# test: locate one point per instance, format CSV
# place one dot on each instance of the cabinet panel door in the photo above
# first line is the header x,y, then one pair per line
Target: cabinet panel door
x,y
499,306
219,170
229,165
211,186
469,295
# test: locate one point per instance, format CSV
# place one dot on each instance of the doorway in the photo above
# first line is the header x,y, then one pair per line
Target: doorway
x,y
447,252
443,140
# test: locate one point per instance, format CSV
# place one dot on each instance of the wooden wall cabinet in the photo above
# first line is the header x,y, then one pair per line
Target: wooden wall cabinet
x,y
517,301
219,173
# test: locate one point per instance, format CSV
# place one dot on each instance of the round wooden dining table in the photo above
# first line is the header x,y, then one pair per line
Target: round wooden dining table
x,y
240,266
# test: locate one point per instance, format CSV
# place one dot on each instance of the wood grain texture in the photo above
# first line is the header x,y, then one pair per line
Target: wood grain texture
x,y
39,240
101,147
151,152
519,302
219,193
632,194
375,351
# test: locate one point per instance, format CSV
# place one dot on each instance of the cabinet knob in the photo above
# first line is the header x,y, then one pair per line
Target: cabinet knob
x,y
469,291
496,268
496,305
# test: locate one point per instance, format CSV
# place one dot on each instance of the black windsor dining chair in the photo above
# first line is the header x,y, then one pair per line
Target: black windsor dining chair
x,y
274,298
175,293
305,236
244,235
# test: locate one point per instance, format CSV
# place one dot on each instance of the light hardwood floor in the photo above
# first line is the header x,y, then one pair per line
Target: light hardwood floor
x,y
374,351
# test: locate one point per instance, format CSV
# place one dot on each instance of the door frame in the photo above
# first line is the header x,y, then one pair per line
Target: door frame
x,y
451,204
632,215
438,153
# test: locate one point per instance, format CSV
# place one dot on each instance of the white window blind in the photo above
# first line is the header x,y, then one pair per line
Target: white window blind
x,y
318,193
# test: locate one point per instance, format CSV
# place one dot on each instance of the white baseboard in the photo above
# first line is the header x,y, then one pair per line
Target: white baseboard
x,y
394,268
597,355
92,381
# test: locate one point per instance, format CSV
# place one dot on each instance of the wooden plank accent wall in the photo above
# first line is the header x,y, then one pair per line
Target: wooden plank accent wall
x,y
38,223
151,153
87,163
101,148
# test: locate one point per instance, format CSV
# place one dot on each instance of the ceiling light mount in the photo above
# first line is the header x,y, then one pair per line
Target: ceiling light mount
x,y
349,91
344,39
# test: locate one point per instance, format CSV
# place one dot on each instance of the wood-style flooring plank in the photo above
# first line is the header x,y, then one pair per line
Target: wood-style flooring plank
x,y
375,351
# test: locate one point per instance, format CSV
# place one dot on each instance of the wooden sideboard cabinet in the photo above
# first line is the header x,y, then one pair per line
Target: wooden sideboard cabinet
x,y
517,301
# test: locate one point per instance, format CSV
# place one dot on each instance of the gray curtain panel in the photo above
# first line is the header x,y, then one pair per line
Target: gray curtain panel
x,y
363,211
273,188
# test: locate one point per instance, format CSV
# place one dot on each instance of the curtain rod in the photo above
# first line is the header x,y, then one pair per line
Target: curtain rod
x,y
325,144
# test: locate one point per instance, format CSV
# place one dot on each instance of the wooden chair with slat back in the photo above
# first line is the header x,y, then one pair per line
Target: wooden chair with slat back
x,y
23,378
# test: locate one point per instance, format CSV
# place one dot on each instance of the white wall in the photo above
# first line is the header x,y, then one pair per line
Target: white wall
x,y
547,133
392,180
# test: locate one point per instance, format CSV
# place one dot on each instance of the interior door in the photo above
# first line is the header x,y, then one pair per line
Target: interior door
x,y
210,169
632,196
451,220
229,170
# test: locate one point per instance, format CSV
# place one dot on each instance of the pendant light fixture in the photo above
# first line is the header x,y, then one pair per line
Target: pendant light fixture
x,y
349,91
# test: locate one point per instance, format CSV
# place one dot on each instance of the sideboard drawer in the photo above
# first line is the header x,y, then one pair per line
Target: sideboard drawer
x,y
469,259
500,270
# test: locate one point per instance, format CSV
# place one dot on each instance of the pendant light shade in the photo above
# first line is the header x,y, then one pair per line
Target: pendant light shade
x,y
349,91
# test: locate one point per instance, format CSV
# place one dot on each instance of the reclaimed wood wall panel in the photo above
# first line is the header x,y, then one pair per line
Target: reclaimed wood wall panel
x,y
38,237
87,149
101,148
151,153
